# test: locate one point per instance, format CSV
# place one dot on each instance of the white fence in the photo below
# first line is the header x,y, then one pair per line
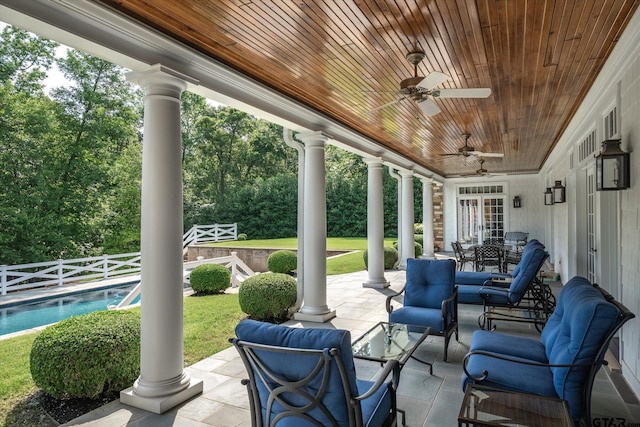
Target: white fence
x,y
239,272
209,233
60,272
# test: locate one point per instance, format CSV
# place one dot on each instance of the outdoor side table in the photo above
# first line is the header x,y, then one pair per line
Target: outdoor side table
x,y
489,407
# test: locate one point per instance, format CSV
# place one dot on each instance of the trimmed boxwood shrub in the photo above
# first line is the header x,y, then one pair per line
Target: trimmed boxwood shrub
x,y
268,296
390,257
242,236
417,249
84,356
282,261
210,279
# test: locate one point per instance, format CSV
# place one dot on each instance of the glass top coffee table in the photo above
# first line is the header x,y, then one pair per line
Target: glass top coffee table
x,y
488,407
391,341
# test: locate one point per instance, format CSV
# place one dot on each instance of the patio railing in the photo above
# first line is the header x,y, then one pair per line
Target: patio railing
x,y
60,272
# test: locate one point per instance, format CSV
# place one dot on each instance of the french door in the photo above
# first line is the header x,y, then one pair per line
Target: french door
x,y
480,218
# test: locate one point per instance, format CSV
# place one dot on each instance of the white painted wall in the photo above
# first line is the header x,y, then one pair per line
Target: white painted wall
x,y
528,218
566,225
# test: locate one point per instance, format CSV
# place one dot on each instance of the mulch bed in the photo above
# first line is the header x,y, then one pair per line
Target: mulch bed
x,y
66,410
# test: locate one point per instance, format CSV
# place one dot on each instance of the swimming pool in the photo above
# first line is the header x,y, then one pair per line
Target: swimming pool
x,y
21,317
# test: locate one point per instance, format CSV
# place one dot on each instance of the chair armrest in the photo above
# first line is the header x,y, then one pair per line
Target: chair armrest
x,y
521,361
445,303
500,280
445,308
380,379
388,305
495,290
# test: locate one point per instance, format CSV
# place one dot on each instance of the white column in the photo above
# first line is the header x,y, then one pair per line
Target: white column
x,y
407,218
427,218
395,175
375,225
163,382
314,307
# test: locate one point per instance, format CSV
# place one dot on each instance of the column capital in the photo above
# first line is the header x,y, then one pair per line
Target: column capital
x,y
406,174
315,138
373,161
426,179
158,76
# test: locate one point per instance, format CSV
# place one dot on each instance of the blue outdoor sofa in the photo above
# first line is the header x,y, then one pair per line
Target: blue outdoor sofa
x,y
564,362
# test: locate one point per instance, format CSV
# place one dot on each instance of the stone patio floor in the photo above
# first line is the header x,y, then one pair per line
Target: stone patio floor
x,y
428,400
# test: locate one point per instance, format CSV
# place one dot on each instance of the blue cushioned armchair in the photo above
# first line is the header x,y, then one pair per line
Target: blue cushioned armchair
x,y
306,377
564,362
430,298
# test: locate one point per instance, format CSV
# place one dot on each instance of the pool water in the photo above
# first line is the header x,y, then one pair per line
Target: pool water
x,y
27,316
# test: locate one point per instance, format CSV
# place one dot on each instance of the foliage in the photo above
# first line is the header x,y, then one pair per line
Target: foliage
x,y
84,356
242,236
419,238
268,296
390,257
282,261
210,278
209,321
72,160
418,228
417,249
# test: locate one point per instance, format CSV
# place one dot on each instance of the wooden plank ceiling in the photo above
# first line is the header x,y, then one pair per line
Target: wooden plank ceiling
x,y
346,58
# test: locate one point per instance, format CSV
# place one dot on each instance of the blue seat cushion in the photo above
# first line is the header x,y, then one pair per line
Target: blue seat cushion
x,y
376,408
469,294
474,277
419,316
509,345
507,375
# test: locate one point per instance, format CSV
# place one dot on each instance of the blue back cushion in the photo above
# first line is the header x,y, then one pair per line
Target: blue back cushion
x,y
294,366
529,266
429,282
575,332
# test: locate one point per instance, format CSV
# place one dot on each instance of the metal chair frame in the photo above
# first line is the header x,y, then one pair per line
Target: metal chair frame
x,y
278,387
624,316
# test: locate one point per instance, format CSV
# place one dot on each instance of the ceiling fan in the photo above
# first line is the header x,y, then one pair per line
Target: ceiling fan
x,y
482,171
466,150
422,89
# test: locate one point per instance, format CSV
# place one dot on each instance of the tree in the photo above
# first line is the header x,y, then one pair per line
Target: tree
x,y
25,59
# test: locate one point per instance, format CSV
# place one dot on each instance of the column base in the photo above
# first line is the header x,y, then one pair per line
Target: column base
x,y
320,318
381,283
161,404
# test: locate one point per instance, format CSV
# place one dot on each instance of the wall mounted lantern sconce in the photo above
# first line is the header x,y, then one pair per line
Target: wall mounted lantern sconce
x,y
548,196
558,192
517,203
612,167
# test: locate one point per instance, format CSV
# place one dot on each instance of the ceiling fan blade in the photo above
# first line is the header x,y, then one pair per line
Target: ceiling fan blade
x,y
428,107
480,92
388,104
481,154
432,80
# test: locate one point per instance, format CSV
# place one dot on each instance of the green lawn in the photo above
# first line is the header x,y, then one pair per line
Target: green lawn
x,y
338,265
208,323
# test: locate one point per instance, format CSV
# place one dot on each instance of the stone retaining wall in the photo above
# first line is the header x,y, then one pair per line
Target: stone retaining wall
x,y
255,258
